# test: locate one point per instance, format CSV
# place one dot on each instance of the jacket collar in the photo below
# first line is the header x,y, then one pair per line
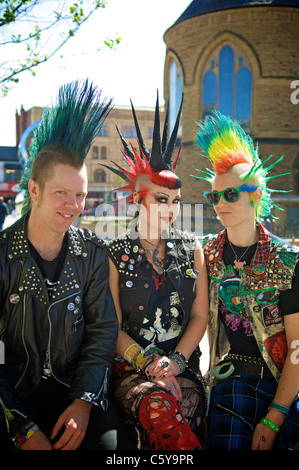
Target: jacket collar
x,y
263,247
139,255
18,246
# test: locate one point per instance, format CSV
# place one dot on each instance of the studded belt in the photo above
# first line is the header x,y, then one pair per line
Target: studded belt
x,y
249,365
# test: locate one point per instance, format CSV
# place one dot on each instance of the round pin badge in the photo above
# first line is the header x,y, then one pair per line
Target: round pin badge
x,y
14,298
125,257
189,272
259,270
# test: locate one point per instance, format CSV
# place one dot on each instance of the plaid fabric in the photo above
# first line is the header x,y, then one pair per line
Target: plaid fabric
x,y
237,405
261,255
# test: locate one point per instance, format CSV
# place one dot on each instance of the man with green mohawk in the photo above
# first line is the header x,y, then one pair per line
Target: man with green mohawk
x,y
254,302
57,319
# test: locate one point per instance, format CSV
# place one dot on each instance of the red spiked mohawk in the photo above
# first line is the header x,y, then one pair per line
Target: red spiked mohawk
x,y
158,164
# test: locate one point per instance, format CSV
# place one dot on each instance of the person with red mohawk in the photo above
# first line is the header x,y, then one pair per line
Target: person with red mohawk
x,y
158,281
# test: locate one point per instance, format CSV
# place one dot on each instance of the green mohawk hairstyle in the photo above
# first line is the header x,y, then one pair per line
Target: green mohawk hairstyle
x,y
71,124
224,142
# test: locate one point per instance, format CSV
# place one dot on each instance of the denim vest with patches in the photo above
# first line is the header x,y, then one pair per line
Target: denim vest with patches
x,y
270,271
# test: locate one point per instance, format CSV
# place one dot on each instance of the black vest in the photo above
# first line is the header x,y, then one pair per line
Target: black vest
x,y
135,279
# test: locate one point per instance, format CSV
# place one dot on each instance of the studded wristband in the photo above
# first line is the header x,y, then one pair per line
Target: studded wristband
x,y
270,425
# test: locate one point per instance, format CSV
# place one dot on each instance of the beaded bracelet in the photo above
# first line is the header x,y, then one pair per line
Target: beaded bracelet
x,y
270,425
180,359
283,409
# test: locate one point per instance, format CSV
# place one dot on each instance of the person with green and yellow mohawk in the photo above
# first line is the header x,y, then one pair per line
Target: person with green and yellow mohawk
x,y
254,302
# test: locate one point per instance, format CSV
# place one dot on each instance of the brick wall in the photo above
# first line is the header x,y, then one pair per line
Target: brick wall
x,y
268,37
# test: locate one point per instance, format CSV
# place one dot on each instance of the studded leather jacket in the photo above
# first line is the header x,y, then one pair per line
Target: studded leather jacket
x,y
77,327
135,279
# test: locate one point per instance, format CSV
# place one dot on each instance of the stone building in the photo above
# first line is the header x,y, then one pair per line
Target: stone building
x,y
240,57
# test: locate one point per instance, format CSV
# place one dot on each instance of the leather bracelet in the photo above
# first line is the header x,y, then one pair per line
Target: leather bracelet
x,y
180,359
270,425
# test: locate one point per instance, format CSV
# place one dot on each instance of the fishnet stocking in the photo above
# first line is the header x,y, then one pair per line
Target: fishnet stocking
x,y
130,390
164,422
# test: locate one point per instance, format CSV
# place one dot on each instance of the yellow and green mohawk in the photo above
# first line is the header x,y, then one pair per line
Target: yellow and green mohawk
x,y
71,123
225,143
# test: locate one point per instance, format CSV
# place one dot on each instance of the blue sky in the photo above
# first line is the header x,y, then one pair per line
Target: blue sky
x,y
134,70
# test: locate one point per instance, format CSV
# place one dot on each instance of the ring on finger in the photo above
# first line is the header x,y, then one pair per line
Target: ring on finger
x,y
164,364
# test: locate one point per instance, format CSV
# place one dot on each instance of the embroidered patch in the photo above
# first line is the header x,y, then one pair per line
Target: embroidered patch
x,y
271,315
277,348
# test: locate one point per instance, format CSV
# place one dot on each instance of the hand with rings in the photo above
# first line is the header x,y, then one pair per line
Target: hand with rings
x,y
170,384
162,367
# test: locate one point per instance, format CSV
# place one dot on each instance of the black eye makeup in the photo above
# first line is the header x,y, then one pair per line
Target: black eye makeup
x,y
163,198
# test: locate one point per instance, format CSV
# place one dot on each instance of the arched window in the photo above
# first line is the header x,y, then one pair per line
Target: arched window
x,y
209,95
243,96
227,86
175,94
226,81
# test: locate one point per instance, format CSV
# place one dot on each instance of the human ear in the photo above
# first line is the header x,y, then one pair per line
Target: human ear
x,y
136,197
33,189
258,196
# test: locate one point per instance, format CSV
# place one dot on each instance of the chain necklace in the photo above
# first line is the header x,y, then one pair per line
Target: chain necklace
x,y
157,261
238,264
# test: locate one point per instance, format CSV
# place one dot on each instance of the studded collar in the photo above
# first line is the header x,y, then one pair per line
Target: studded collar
x,y
129,244
18,246
30,280
128,254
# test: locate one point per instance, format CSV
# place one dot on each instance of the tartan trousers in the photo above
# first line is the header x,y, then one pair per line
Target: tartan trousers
x,y
237,405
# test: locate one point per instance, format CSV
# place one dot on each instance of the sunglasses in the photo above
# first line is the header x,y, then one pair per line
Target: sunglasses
x,y
229,194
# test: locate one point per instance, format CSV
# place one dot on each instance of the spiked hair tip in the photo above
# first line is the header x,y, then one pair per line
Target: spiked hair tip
x,y
159,163
69,125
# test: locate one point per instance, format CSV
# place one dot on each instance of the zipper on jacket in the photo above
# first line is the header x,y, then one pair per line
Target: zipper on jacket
x,y
23,339
50,335
104,389
8,414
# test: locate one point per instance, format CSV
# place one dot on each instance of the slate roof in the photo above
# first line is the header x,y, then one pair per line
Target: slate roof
x,y
200,7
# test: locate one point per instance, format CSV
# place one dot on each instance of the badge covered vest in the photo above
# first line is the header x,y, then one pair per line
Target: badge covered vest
x,y
270,271
135,279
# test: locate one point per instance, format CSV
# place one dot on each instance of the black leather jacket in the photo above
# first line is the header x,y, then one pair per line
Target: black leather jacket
x,y
135,283
78,326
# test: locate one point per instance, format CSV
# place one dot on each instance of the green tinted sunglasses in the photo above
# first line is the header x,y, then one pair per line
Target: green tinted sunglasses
x,y
229,194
